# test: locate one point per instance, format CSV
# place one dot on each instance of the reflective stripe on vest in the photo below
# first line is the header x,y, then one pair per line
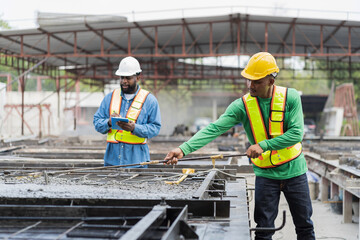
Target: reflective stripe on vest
x,y
277,112
116,136
269,158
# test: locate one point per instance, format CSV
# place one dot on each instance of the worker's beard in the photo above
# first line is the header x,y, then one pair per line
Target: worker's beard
x,y
128,89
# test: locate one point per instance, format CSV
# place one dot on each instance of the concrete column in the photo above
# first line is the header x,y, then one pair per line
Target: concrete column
x,y
347,207
214,112
334,190
324,189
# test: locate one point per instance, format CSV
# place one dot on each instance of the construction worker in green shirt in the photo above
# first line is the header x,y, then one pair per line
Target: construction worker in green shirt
x,y
273,120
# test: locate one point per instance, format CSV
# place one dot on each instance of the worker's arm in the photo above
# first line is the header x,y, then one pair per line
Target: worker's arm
x,y
101,117
149,126
232,116
294,125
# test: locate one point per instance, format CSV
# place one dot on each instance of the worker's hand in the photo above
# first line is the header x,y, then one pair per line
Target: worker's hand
x,y
114,114
127,126
254,151
173,156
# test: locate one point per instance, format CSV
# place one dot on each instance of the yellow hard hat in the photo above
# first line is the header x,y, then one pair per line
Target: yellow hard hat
x,y
259,66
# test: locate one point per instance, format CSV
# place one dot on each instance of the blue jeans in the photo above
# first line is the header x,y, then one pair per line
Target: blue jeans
x,y
267,196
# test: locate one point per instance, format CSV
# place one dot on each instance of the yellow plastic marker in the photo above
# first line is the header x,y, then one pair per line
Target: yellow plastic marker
x,y
216,157
35,174
186,172
151,162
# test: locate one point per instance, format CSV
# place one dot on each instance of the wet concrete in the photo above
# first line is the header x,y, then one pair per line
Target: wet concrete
x,y
26,187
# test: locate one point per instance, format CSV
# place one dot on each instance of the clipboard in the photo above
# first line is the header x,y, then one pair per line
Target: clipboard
x,y
114,120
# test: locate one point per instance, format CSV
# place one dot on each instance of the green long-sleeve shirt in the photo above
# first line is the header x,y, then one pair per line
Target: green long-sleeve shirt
x,y
236,113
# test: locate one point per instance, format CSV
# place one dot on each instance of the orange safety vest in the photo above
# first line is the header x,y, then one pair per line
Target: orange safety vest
x,y
270,158
116,136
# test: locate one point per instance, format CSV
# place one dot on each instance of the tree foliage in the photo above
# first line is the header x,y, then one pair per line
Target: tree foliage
x,y
305,78
4,25
342,72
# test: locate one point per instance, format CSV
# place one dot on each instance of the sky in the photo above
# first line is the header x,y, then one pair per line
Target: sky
x,y
22,14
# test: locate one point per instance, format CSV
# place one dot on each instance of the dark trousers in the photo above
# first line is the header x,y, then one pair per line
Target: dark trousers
x,y
267,196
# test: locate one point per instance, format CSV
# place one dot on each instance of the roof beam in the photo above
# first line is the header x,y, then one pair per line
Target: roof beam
x,y
287,35
333,32
29,46
24,44
309,41
105,38
148,36
70,44
191,34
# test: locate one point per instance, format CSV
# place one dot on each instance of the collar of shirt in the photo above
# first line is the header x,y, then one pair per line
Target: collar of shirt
x,y
129,96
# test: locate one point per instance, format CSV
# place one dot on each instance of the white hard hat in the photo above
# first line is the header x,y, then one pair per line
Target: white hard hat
x,y
129,66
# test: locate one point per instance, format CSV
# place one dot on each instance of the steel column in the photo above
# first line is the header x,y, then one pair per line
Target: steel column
x,y
22,83
349,41
266,36
75,44
156,42
211,39
129,41
322,39
101,43
238,37
48,45
293,39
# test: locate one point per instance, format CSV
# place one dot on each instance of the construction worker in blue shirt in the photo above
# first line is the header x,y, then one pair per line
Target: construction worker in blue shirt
x,y
129,145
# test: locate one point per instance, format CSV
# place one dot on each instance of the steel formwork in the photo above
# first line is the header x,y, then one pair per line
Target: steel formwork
x,y
206,201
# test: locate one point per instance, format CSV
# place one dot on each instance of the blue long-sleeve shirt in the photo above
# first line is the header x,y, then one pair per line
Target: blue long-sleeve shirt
x,y
147,126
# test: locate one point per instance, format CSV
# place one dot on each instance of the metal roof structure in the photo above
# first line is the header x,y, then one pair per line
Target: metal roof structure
x,y
92,46
80,47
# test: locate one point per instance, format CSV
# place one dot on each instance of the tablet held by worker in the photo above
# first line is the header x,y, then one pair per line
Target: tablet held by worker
x,y
114,121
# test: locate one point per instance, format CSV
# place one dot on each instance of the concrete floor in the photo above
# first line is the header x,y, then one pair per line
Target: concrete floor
x,y
328,225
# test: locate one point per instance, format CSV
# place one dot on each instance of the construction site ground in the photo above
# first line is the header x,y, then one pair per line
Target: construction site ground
x,y
328,224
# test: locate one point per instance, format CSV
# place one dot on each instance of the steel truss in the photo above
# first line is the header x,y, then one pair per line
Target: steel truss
x,y
93,52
